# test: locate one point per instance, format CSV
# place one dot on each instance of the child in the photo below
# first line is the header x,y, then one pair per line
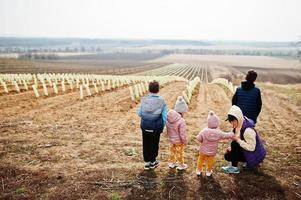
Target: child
x,y
176,131
181,106
208,139
153,113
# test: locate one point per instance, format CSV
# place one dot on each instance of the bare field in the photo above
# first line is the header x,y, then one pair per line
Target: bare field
x,y
75,66
60,147
63,148
138,56
243,61
270,69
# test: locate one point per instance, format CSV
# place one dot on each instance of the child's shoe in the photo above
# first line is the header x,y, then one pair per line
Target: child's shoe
x,y
225,168
155,164
209,173
182,167
147,165
172,165
198,173
230,170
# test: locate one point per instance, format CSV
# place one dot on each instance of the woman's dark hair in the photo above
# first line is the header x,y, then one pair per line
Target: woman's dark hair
x,y
153,87
231,118
251,75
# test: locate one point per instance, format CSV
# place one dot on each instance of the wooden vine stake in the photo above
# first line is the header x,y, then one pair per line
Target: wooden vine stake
x,y
95,88
81,94
35,90
63,86
25,85
45,89
132,93
17,87
88,90
102,86
136,91
54,88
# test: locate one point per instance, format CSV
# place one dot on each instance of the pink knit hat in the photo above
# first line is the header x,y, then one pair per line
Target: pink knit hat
x,y
213,120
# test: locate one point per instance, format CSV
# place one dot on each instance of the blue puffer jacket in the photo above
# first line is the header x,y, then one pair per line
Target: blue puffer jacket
x,y
153,113
248,99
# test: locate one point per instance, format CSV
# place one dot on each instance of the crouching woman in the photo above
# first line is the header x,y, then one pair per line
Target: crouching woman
x,y
246,146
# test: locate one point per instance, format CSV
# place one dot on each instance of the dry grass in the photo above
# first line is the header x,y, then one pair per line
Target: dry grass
x,y
290,92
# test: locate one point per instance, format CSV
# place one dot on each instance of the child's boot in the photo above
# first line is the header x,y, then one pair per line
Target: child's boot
x,y
172,165
198,172
209,173
182,167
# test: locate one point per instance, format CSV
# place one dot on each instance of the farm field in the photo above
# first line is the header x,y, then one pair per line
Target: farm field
x,y
77,84
75,66
183,70
61,147
229,60
270,69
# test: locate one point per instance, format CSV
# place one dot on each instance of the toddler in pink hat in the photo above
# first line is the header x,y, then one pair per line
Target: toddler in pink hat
x,y
208,139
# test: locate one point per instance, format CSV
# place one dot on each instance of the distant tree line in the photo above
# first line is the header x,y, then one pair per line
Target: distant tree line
x,y
38,56
66,49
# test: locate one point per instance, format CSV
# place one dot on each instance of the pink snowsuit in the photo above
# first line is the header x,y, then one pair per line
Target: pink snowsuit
x,y
209,139
176,128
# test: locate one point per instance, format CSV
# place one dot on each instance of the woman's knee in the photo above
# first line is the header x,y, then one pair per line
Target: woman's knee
x,y
227,156
234,145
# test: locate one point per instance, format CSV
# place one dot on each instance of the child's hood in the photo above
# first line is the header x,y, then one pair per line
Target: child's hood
x,y
151,104
211,134
173,116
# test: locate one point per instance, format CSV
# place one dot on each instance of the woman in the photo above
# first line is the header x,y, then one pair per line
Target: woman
x,y
246,146
248,97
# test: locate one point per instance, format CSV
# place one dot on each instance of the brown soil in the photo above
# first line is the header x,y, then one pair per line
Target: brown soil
x,y
63,148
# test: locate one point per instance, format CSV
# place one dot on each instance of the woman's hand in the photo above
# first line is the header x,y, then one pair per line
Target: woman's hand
x,y
236,137
228,150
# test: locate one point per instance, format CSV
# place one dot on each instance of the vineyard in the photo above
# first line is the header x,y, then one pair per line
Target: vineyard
x,y
83,67
88,84
183,70
77,136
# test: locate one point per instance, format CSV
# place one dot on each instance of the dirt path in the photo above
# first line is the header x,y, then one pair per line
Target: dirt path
x,y
274,180
169,183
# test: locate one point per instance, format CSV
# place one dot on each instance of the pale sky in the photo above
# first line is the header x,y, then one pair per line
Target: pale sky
x,y
257,20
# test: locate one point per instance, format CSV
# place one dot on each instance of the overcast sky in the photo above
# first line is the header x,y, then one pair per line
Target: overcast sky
x,y
257,20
